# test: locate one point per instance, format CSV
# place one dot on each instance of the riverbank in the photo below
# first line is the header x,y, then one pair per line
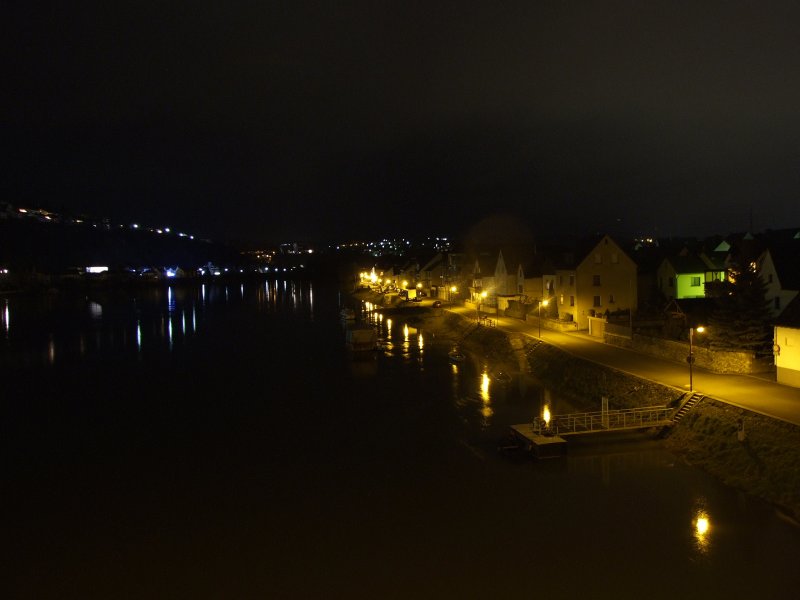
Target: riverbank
x,y
765,464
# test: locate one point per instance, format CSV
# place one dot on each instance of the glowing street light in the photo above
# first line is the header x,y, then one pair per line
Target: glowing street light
x,y
690,358
541,304
453,290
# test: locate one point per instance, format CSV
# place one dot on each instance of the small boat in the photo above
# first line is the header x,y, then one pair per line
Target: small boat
x,y
361,339
456,356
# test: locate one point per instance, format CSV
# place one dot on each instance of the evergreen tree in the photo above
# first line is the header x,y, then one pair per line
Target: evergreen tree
x,y
741,318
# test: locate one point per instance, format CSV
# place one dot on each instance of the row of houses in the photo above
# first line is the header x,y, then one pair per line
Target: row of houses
x,y
601,275
584,285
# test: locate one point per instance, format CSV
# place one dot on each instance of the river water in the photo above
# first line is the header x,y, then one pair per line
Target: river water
x,y
218,441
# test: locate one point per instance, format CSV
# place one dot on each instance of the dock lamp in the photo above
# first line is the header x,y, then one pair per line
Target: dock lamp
x,y
690,358
541,304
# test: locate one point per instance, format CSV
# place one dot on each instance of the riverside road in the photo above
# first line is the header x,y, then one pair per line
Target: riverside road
x,y
757,393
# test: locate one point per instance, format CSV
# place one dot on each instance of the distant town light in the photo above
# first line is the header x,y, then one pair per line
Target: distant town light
x,y
134,226
96,270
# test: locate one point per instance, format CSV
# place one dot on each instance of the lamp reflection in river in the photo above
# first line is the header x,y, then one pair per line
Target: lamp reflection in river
x,y
486,409
702,531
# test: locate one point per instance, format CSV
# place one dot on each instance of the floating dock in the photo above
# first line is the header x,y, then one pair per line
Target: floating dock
x,y
541,446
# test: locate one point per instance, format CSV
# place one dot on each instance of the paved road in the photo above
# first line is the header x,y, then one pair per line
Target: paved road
x,y
756,393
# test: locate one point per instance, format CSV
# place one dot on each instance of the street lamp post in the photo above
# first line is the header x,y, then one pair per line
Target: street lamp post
x,y
690,358
541,303
453,290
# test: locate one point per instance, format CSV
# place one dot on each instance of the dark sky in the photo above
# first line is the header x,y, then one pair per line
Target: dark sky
x,y
277,120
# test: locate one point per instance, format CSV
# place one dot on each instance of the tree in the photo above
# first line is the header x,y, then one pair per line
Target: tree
x,y
741,318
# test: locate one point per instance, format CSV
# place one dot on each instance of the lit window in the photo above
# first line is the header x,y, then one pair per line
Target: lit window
x,y
695,282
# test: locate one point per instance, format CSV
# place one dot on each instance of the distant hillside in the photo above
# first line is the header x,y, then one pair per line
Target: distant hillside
x,y
51,247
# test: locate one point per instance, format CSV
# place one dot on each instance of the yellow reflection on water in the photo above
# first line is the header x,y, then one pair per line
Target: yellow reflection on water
x,y
546,415
486,408
702,530
405,332
420,341
485,387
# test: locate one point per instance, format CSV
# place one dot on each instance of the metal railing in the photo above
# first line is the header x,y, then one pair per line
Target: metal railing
x,y
611,420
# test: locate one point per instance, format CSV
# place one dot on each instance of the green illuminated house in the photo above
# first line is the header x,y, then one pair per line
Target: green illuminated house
x,y
685,275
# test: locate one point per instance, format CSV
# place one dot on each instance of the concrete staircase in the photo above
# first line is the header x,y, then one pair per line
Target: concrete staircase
x,y
689,401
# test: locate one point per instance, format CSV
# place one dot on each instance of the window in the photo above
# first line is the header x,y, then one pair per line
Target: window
x,y
611,299
595,279
596,301
572,300
695,282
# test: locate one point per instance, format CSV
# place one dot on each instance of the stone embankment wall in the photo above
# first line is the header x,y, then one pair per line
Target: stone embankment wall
x,y
587,382
717,361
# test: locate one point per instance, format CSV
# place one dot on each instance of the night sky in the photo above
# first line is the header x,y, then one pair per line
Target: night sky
x,y
283,120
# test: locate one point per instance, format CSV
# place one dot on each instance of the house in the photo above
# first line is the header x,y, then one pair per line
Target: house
x,y
779,268
787,344
686,275
482,288
597,279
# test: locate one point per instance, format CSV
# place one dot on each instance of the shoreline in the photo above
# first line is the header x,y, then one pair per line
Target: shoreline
x,y
763,462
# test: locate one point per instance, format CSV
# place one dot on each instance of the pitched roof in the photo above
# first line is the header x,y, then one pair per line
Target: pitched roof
x,y
790,316
687,264
786,258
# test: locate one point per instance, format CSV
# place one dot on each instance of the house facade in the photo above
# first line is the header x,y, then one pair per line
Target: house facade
x,y
604,281
787,345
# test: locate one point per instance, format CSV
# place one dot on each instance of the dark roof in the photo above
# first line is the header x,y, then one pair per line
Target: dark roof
x,y
786,258
687,264
790,316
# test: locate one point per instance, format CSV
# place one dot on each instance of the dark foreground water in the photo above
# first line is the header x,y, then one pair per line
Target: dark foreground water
x,y
219,442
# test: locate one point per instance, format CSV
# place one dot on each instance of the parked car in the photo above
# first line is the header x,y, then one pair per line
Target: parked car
x,y
437,304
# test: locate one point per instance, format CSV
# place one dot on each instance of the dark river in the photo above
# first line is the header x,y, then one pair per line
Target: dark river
x,y
220,442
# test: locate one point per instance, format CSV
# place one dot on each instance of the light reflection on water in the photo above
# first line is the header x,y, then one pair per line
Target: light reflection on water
x,y
71,326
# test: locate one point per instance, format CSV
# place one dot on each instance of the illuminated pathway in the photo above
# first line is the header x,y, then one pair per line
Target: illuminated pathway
x,y
752,392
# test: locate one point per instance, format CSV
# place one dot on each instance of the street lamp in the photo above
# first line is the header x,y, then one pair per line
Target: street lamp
x,y
453,290
690,358
480,300
541,303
